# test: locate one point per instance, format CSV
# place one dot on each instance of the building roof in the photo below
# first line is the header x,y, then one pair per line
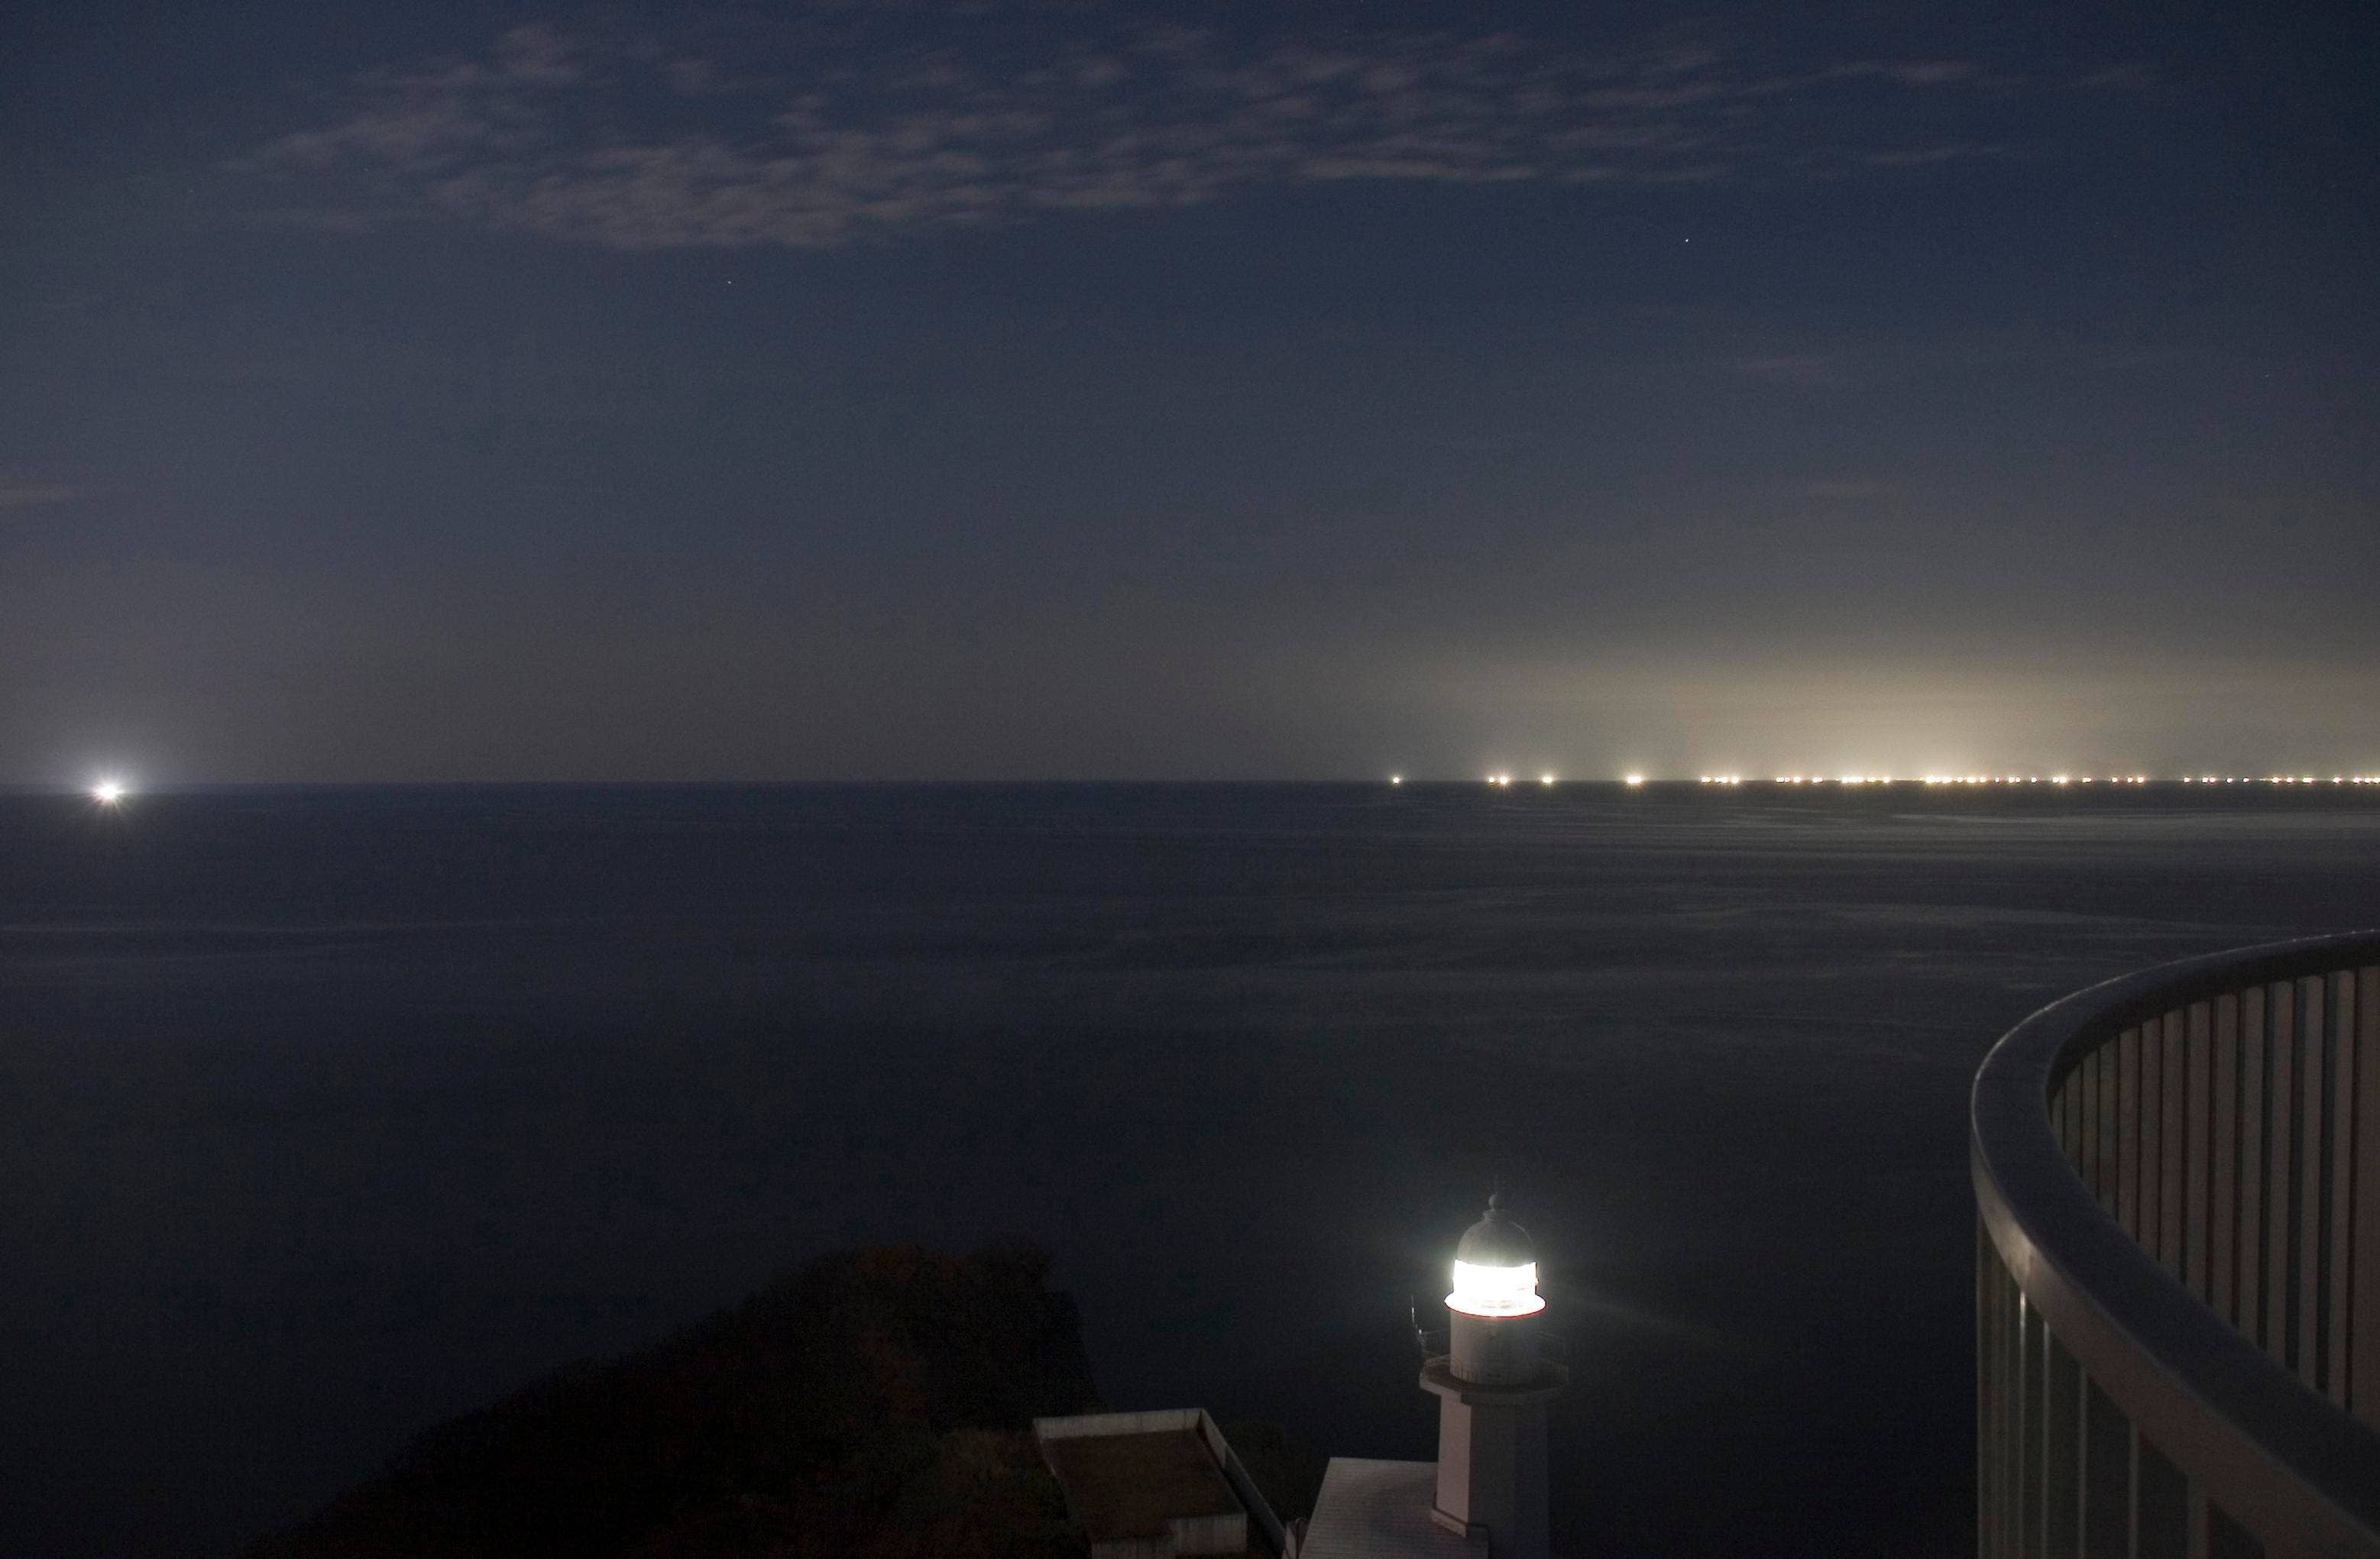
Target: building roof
x,y
1379,1510
1135,1485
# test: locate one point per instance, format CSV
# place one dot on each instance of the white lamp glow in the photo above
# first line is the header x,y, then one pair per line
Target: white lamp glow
x,y
107,792
1490,1290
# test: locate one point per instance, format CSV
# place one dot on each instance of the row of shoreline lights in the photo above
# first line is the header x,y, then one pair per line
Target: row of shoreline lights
x,y
111,792
1506,779
2052,780
2038,779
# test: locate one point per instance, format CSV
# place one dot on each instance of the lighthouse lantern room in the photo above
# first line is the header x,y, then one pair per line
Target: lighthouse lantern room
x,y
1493,1385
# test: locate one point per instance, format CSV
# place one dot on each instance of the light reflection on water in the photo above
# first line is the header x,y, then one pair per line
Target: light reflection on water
x,y
325,1114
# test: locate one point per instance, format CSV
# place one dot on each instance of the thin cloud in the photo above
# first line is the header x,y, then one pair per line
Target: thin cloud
x,y
34,495
1928,156
1853,489
2131,77
1912,73
1860,365
1814,371
814,132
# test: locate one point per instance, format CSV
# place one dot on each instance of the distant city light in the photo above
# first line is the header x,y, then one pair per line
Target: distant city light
x,y
1642,779
1396,778
109,792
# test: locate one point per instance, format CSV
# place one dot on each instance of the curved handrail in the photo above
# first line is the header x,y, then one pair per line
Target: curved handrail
x,y
2279,1457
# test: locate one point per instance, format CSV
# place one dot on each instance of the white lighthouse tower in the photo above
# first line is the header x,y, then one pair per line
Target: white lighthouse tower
x,y
1493,1389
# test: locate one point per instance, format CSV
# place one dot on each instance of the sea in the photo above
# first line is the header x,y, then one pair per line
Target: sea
x,y
329,1113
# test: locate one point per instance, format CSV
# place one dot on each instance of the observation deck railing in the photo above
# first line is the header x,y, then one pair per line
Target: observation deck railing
x,y
2177,1264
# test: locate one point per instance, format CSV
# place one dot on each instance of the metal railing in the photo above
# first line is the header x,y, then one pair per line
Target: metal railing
x,y
2178,1262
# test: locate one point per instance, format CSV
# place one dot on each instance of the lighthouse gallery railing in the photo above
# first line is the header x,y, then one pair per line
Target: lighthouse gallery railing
x,y
2178,1262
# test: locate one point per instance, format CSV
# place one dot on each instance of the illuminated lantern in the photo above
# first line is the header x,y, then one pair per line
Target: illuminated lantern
x,y
1493,1385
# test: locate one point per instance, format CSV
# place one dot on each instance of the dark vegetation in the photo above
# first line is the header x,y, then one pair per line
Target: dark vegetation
x,y
875,1403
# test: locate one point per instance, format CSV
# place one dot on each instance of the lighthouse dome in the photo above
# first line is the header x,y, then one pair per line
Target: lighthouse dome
x,y
1496,1240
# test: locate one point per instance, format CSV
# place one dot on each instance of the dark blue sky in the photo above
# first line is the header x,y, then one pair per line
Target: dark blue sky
x,y
1081,391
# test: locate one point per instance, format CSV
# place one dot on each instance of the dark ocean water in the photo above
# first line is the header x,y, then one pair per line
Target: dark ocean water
x,y
327,1113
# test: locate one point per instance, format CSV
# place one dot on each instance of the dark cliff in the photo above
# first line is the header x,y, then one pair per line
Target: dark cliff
x,y
875,1403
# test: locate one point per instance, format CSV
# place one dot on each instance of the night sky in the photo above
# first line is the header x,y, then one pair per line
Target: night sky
x,y
884,390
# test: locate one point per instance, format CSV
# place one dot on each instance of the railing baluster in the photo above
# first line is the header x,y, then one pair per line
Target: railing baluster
x,y
2088,1074
2198,1064
2131,1491
2280,1215
2013,1421
2128,1131
2106,1474
2311,1165
2253,1114
2033,1418
2172,1142
2110,1131
2337,1259
2227,1540
2151,1118
1988,1261
2363,1341
2162,1495
2223,1191
2061,1456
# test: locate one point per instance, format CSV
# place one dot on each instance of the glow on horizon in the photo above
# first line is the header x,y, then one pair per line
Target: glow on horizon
x,y
1638,777
109,790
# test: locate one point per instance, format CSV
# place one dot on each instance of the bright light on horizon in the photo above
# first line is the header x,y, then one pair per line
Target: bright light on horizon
x,y
109,790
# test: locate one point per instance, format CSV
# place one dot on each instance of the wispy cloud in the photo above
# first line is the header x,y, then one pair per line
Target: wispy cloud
x,y
34,495
1926,156
1853,489
1812,370
1879,362
806,135
2133,76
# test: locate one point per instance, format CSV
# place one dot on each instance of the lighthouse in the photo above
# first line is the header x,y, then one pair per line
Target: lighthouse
x,y
1493,1388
